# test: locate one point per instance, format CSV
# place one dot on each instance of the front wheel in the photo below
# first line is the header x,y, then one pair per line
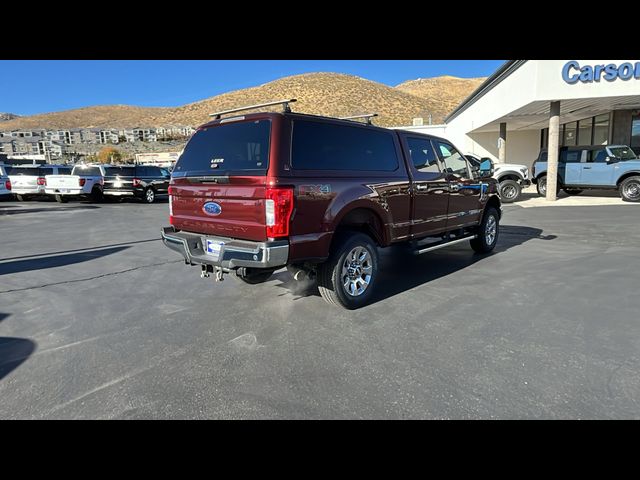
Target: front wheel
x,y
510,191
347,278
487,232
630,189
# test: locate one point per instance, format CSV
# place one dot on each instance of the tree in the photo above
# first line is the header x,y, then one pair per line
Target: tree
x,y
109,155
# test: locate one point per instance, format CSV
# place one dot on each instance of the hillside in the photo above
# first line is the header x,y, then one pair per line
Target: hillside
x,y
7,116
449,90
89,117
330,94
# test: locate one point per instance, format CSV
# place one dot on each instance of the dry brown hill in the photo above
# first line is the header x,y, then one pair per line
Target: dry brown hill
x,y
449,90
331,94
89,117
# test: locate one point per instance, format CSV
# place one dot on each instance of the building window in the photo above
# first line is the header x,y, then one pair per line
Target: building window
x,y
570,134
585,131
601,130
635,132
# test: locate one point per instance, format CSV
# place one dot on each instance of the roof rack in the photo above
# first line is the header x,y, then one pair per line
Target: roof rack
x,y
284,103
366,116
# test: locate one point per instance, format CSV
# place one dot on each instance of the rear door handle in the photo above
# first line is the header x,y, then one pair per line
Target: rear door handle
x,y
587,168
422,187
454,187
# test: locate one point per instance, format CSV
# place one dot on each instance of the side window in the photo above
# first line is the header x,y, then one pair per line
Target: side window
x,y
422,155
453,161
64,171
142,172
328,146
599,156
164,172
572,156
543,157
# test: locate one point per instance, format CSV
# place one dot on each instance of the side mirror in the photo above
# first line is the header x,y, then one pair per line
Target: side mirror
x,y
486,167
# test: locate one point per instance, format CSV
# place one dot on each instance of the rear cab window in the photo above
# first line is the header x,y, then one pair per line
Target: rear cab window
x,y
120,171
240,148
88,171
327,146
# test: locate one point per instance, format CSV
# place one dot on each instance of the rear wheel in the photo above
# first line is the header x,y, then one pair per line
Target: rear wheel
x,y
630,189
509,191
487,232
572,191
149,195
96,195
61,198
346,279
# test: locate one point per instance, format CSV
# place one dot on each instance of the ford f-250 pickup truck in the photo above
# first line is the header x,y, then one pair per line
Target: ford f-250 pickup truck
x,y
253,193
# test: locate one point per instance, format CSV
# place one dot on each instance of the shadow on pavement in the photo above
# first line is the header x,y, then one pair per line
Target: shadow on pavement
x,y
3,316
55,261
401,270
51,209
13,352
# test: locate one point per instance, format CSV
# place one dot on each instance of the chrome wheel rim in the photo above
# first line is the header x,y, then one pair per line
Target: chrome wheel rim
x,y
543,186
357,271
149,195
491,230
632,190
509,192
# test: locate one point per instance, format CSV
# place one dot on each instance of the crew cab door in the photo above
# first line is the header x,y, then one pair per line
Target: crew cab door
x,y
464,190
429,188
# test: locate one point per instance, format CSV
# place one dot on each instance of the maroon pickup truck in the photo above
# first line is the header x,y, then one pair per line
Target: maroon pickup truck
x,y
257,192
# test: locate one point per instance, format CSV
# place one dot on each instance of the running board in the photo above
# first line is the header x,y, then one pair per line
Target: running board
x,y
444,244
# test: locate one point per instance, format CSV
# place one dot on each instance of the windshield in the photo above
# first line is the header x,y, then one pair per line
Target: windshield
x,y
623,153
220,150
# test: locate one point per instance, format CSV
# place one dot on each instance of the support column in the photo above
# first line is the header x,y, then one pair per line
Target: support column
x,y
502,143
553,151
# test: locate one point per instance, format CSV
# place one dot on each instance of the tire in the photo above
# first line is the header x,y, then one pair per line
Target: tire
x,y
354,261
630,189
541,186
510,191
488,232
572,191
96,195
254,277
61,199
149,195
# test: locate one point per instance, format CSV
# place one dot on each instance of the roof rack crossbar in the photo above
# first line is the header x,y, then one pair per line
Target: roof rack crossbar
x,y
284,103
367,116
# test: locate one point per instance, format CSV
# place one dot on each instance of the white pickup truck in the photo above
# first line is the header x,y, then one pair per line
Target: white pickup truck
x,y
84,181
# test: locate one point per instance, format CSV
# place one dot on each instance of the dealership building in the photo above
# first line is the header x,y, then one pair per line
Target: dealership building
x,y
587,102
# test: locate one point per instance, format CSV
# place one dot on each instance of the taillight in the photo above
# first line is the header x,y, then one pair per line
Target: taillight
x,y
278,210
42,181
7,184
82,181
137,182
170,192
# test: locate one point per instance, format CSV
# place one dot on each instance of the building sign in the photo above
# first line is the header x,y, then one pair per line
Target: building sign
x,y
572,72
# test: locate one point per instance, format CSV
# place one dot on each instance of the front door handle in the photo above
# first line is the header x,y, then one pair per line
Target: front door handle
x,y
587,168
422,187
454,187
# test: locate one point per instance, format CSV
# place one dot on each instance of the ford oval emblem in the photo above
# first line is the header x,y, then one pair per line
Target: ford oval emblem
x,y
212,208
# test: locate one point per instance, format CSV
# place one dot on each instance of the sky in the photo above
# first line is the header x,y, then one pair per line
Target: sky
x,y
29,87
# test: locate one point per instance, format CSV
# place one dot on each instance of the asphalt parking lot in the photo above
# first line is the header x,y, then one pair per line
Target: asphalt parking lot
x,y
99,320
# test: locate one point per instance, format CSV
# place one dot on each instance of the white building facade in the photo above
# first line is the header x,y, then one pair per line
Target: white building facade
x,y
507,117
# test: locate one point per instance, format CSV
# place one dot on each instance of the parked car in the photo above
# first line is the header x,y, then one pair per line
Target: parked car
x,y
85,181
5,183
612,167
139,181
260,191
511,177
28,181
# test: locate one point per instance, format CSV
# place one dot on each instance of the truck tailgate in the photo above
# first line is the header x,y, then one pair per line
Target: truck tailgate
x,y
62,181
233,207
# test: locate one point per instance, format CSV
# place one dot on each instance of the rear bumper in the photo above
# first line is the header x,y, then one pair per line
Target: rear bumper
x,y
233,253
28,190
119,193
69,191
